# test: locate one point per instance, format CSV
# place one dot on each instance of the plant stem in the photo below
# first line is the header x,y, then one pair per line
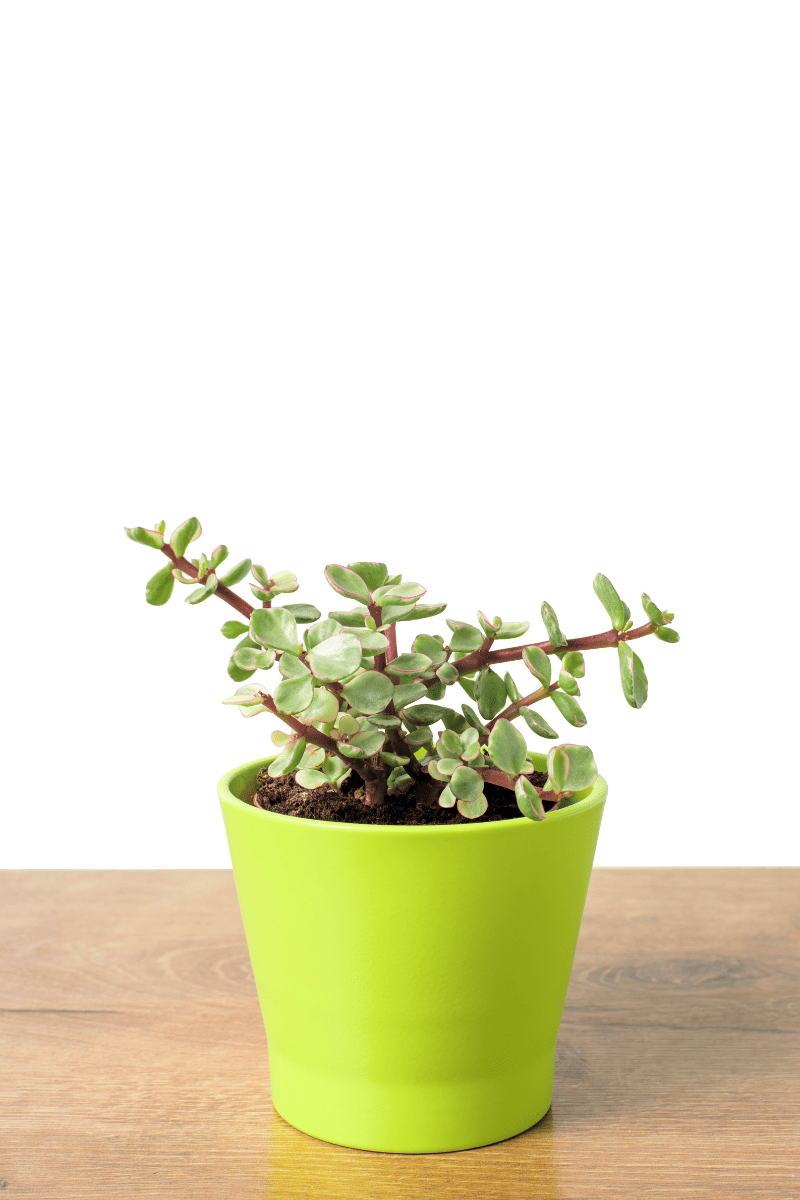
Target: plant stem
x,y
595,641
223,592
492,775
508,714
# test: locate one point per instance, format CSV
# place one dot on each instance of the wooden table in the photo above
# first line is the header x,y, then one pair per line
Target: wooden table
x,y
134,1061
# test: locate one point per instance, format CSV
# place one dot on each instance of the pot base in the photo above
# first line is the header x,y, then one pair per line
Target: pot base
x,y
417,1118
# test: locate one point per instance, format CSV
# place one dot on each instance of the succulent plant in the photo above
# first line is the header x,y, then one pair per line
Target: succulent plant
x,y
352,702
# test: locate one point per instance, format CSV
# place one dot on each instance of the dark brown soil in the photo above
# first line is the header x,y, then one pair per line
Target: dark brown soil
x,y
417,807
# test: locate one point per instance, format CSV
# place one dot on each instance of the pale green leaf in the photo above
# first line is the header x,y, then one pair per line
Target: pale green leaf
x,y
288,759
550,620
185,533
466,784
232,629
573,661
158,588
431,647
609,598
336,657
507,748
275,627
490,693
529,802
568,683
465,637
538,663
293,695
291,667
472,809
665,634
369,693
512,629
374,574
146,537
237,573
347,583
447,673
632,675
321,632
569,708
310,779
408,664
447,797
303,613
537,723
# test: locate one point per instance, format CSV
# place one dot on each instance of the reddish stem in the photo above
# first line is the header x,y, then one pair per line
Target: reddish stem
x,y
612,637
223,592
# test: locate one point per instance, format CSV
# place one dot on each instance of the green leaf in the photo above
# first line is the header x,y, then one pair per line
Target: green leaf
x,y
512,691
371,643
424,714
446,797
407,693
394,612
472,809
400,594
160,527
508,748
232,629
652,611
664,634
431,647
473,719
418,735
346,725
335,771
275,627
419,611
335,657
182,577
383,721
374,574
465,637
436,690
490,693
321,632
447,673
244,696
369,693
609,598
290,666
369,742
554,634
237,673
575,663
512,629
435,773
303,614
324,707
470,742
310,779
352,618
450,743
529,802
538,663
347,583
293,695
288,759
218,555
237,573
146,537
467,682
253,658
158,588
394,760
313,758
186,533
537,723
569,708
557,768
466,784
631,672
581,769
261,575
203,593
568,683
399,781
489,628
408,664
284,581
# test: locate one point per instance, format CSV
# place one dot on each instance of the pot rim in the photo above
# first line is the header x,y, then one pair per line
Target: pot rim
x,y
596,796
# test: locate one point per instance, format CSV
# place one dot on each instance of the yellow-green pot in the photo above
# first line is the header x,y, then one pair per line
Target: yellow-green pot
x,y
411,979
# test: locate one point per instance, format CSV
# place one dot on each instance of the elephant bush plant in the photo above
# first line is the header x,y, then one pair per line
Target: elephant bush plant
x,y
352,701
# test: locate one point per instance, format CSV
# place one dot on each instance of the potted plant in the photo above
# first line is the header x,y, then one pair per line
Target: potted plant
x,y
411,876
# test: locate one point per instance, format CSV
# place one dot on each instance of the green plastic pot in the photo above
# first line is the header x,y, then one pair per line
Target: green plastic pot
x,y
411,980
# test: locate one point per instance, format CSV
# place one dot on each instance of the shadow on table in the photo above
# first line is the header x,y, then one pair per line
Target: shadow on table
x,y
300,1165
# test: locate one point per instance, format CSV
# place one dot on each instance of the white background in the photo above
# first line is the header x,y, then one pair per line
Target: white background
x,y
503,294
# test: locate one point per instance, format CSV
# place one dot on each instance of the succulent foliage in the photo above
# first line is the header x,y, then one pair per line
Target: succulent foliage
x,y
352,702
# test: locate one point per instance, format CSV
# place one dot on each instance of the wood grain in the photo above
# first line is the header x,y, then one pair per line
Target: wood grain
x,y
134,1061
